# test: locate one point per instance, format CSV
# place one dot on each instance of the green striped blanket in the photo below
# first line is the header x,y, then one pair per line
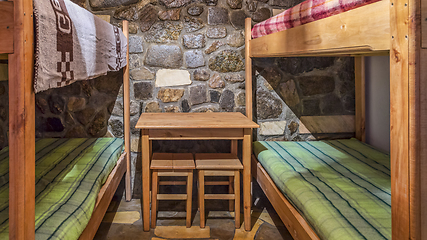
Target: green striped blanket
x,y
341,187
69,175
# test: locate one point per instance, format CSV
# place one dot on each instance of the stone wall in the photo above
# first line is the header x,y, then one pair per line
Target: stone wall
x,y
288,88
188,56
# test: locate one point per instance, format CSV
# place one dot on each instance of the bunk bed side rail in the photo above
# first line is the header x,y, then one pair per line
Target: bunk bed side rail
x,y
364,30
6,27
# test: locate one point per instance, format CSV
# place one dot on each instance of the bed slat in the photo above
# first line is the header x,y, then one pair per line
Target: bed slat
x,y
6,27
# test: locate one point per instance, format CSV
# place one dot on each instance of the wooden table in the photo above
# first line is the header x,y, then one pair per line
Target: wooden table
x,y
196,126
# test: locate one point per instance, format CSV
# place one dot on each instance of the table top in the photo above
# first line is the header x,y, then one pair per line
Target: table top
x,y
194,120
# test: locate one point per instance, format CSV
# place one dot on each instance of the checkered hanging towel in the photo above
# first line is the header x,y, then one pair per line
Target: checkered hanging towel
x,y
72,44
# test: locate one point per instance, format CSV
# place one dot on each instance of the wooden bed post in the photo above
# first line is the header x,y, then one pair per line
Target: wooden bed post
x,y
403,115
126,106
22,125
359,74
248,72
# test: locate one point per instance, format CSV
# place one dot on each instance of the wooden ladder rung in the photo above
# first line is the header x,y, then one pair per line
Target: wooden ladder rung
x,y
217,183
172,182
219,196
171,196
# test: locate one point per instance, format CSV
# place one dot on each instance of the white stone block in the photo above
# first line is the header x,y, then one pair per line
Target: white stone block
x,y
168,78
272,128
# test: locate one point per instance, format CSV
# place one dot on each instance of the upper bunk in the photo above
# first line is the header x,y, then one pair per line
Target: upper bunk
x,y
361,31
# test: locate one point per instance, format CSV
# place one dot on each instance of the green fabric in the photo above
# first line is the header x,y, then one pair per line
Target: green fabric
x,y
341,187
69,175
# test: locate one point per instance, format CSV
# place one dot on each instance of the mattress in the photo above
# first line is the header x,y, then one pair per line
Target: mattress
x,y
305,12
69,176
341,187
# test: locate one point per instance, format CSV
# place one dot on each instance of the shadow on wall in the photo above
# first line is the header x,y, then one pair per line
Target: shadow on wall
x,y
294,94
81,109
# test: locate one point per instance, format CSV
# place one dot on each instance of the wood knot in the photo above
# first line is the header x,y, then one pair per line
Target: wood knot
x,y
396,55
314,40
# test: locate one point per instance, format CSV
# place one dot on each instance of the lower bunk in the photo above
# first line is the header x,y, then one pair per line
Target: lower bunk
x,y
338,189
75,181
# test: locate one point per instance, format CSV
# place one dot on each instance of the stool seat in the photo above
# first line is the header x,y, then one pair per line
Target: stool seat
x,y
170,161
217,161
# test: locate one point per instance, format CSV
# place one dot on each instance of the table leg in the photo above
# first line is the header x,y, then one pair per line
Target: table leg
x,y
145,145
246,159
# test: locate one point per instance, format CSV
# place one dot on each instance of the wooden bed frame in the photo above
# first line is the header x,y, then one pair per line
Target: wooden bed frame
x,y
17,40
397,28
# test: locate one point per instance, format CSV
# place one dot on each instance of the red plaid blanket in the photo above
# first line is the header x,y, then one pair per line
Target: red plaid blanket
x,y
305,12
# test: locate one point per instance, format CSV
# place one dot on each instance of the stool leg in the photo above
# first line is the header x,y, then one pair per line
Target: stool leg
x,y
154,190
237,198
230,191
189,197
202,197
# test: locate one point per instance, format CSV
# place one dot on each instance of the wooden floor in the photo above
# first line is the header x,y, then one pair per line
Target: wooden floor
x,y
123,221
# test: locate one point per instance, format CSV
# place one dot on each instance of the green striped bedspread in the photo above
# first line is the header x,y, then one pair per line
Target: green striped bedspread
x,y
69,176
341,187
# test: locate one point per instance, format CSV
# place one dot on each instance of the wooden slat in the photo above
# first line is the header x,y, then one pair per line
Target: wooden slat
x,y
6,27
194,120
361,30
216,183
294,222
211,173
195,134
171,196
327,124
104,198
22,125
248,70
399,119
176,183
126,112
359,72
219,196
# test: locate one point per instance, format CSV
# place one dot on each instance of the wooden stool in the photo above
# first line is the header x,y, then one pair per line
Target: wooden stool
x,y
218,164
171,165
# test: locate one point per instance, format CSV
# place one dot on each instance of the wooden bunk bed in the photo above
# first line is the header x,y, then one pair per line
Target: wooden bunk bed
x,y
17,40
382,28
